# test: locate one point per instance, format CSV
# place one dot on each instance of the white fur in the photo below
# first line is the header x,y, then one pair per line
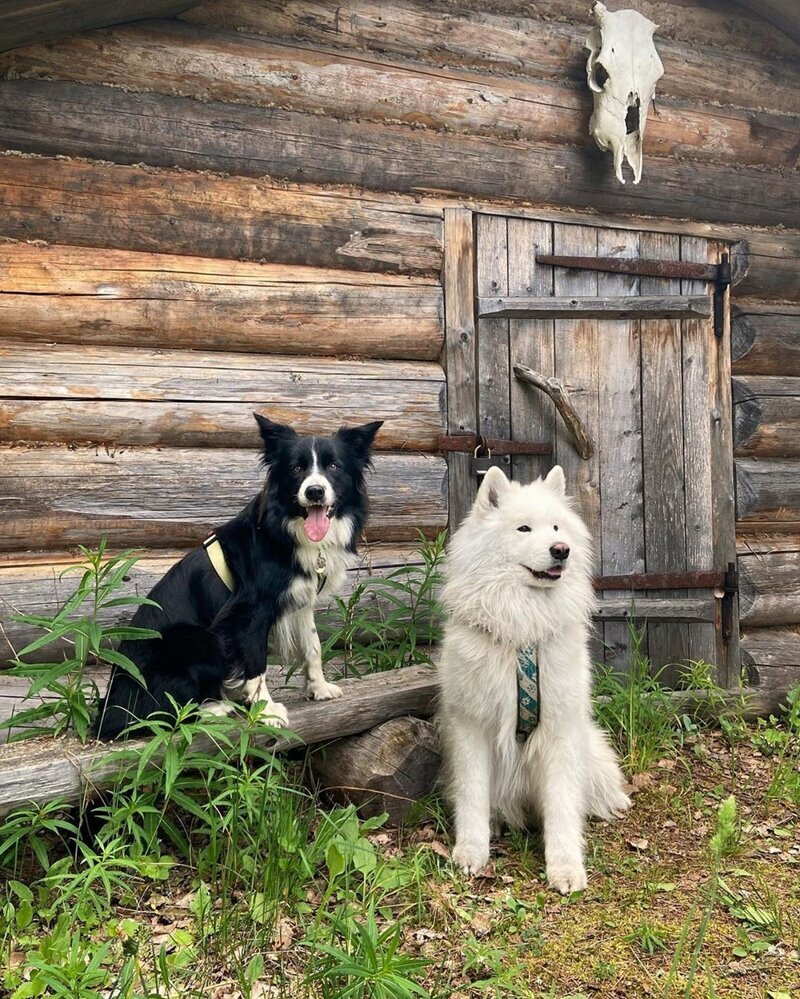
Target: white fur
x,y
566,769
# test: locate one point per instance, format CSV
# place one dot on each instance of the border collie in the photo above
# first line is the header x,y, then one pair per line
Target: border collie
x,y
256,579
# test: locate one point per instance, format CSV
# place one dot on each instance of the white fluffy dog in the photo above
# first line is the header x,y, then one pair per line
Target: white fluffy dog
x,y
518,590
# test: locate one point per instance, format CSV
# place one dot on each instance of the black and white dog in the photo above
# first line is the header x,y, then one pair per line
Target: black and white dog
x,y
256,580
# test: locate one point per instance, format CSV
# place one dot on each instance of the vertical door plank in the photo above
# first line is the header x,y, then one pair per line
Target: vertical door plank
x,y
620,439
698,403
662,456
533,415
460,352
494,412
576,353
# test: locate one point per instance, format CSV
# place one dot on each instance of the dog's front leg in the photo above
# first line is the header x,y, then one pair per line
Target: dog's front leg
x,y
243,629
470,763
563,804
306,641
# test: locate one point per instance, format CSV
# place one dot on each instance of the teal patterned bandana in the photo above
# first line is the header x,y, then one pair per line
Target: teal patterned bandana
x,y
527,691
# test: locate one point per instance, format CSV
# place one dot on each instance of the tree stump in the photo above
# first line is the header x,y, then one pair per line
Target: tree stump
x,y
390,768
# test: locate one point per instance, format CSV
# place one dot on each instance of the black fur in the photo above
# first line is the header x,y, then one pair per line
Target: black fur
x,y
209,635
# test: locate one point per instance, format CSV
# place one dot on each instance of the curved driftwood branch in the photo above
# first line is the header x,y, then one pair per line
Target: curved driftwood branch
x,y
555,389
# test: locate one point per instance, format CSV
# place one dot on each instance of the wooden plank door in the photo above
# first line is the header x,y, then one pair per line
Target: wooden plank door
x,y
654,394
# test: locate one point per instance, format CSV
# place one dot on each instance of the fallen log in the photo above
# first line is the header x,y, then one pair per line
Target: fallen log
x,y
54,117
64,770
111,206
41,770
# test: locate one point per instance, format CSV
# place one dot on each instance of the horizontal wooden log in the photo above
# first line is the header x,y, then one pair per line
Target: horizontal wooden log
x,y
771,648
56,117
171,211
769,580
765,339
782,13
77,295
21,24
45,770
767,492
179,59
40,584
671,306
63,770
206,399
518,44
54,497
766,416
768,264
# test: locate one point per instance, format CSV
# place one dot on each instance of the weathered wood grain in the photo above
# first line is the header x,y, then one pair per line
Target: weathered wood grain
x,y
57,496
767,492
781,13
769,580
205,399
183,60
46,769
388,769
766,416
82,120
645,612
21,23
619,431
765,339
458,279
76,295
766,649
768,263
698,375
510,44
40,584
530,342
597,307
200,214
663,476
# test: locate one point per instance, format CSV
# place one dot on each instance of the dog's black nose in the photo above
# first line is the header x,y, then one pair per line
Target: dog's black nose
x,y
560,551
316,494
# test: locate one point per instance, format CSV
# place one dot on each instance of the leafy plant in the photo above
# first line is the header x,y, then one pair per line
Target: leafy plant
x,y
68,696
389,621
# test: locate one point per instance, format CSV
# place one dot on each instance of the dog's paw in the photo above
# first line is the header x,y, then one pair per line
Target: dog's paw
x,y
618,803
471,858
218,709
566,878
321,690
273,714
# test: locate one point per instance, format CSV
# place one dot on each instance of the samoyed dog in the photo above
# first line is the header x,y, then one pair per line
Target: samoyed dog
x,y
519,740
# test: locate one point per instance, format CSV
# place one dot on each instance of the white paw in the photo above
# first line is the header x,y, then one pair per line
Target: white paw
x,y
273,714
321,690
470,857
612,805
567,877
220,709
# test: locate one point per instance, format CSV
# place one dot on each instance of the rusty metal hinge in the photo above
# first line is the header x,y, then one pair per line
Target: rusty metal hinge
x,y
719,274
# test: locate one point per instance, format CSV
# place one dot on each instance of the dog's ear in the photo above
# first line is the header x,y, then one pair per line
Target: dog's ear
x,y
556,481
359,439
494,486
273,435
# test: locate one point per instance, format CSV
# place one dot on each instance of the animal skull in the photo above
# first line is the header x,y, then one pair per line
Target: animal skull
x,y
623,69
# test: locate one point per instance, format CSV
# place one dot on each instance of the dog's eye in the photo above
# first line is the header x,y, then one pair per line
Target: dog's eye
x,y
524,528
333,466
555,527
297,469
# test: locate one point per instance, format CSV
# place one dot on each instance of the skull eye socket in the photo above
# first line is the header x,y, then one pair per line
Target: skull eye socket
x,y
600,75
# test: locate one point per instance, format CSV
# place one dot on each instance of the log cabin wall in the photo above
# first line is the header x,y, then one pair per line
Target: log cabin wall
x,y
242,208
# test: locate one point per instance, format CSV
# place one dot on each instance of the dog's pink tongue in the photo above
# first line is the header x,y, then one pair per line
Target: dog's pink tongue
x,y
317,523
